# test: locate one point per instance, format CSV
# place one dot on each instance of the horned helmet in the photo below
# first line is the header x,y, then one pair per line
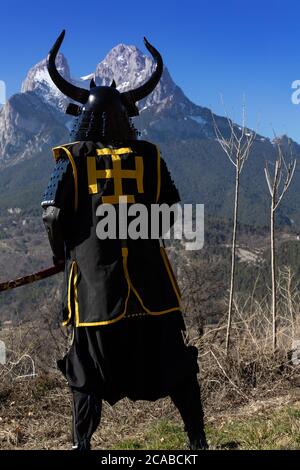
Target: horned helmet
x,y
105,113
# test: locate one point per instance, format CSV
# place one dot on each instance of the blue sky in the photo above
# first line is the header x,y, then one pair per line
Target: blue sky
x,y
209,47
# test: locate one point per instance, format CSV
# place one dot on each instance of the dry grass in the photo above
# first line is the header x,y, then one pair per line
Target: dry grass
x,y
38,417
251,396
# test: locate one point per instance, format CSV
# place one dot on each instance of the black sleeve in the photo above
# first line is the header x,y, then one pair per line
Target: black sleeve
x,y
57,204
168,192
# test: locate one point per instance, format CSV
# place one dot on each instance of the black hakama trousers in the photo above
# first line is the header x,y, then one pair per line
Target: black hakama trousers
x,y
141,357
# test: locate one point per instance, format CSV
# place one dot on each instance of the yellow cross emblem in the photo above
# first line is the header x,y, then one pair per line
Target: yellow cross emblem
x,y
116,173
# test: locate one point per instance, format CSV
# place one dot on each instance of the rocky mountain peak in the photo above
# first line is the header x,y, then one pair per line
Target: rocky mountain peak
x,y
130,68
39,81
41,106
125,64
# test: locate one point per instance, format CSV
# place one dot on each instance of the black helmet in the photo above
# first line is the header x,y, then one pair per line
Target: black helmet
x,y
105,114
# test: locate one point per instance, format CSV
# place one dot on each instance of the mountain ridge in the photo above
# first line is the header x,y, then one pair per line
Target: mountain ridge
x,y
33,121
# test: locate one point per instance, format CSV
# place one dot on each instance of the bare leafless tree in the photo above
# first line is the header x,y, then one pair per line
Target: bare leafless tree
x,y
278,185
237,147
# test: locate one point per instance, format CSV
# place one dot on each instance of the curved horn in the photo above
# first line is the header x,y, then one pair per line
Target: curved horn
x,y
92,83
72,91
144,90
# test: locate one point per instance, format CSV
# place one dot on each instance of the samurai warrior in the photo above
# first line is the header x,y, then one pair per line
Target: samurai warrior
x,y
119,294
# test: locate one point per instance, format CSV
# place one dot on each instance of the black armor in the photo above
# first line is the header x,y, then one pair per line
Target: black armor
x,y
109,269
120,294
53,194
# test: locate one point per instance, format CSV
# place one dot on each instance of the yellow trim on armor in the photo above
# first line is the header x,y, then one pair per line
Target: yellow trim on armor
x,y
66,322
140,299
76,296
162,312
74,169
125,253
130,286
62,145
158,175
114,320
170,273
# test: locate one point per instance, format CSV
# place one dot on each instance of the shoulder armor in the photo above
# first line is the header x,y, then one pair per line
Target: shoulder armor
x,y
61,150
54,185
